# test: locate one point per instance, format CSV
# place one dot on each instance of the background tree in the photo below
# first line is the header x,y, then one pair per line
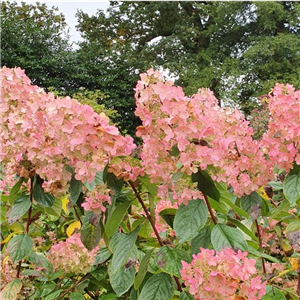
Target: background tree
x,y
220,45
36,39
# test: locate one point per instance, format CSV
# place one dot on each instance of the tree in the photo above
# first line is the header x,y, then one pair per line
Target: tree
x,y
36,38
220,45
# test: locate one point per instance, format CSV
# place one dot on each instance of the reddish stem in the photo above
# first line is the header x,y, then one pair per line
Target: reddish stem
x,y
153,226
210,210
260,245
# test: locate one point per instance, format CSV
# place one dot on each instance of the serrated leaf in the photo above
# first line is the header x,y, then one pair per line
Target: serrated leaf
x,y
142,269
76,296
202,239
116,218
123,250
18,209
45,199
122,280
90,236
189,219
169,260
14,192
19,247
291,188
11,290
158,287
75,189
72,227
205,184
223,236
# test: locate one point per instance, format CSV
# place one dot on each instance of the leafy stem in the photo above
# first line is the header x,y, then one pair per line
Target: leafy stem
x,y
260,245
153,226
210,210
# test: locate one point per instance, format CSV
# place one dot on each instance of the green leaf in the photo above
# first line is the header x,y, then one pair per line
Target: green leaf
x,y
158,287
4,198
75,189
102,256
90,236
295,170
54,295
294,225
273,294
45,199
205,184
112,181
291,188
252,204
185,296
18,209
19,247
283,207
142,269
76,296
150,187
243,228
40,260
123,250
99,273
202,239
253,251
122,280
55,209
189,219
237,209
223,236
14,192
116,218
11,290
168,215
169,260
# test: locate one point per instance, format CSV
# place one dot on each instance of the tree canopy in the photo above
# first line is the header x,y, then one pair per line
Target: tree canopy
x,y
36,39
220,45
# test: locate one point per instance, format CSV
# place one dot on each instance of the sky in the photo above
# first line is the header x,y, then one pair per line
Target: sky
x,y
69,9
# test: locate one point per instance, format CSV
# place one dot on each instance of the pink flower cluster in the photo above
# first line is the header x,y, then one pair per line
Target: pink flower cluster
x,y
71,256
43,134
222,275
203,133
282,140
127,168
94,200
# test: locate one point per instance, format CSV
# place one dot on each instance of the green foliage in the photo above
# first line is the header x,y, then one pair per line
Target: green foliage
x,y
189,219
